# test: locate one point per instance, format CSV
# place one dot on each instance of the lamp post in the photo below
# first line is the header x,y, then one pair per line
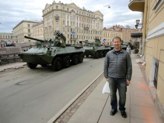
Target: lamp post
x,y
85,29
138,26
137,21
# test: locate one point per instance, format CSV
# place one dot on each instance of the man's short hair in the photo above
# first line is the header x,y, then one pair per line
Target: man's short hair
x,y
117,37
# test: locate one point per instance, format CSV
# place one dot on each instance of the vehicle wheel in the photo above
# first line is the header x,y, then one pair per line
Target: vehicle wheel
x,y
87,56
96,55
66,61
104,54
57,64
75,59
44,65
31,65
101,54
81,56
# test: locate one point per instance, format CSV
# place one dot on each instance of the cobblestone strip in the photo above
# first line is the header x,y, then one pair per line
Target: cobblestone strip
x,y
12,66
68,113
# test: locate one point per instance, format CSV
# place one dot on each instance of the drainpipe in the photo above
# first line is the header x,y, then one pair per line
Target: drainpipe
x,y
145,27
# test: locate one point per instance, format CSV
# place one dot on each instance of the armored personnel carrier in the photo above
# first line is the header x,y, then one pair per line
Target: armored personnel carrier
x,y
55,54
95,49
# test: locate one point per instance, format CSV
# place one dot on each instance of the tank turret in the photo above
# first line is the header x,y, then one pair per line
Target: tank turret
x,y
28,37
97,42
58,41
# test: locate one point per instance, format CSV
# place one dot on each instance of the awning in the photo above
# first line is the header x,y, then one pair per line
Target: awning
x,y
136,35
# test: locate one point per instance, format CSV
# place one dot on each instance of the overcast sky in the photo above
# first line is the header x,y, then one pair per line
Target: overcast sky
x,y
14,11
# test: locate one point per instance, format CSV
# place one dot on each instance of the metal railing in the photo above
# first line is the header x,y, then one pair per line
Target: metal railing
x,y
9,54
9,58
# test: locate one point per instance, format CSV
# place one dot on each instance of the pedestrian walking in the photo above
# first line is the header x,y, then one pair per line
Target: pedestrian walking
x,y
128,49
118,72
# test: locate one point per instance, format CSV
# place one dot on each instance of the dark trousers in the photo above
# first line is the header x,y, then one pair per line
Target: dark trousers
x,y
120,85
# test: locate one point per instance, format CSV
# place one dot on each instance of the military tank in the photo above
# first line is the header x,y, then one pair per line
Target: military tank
x,y
95,49
54,53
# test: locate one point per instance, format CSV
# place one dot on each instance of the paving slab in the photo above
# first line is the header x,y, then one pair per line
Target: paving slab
x,y
140,106
91,109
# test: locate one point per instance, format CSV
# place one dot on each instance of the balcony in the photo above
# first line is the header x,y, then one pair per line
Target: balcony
x,y
137,5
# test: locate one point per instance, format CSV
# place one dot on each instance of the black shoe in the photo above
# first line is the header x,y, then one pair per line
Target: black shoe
x,y
123,113
113,112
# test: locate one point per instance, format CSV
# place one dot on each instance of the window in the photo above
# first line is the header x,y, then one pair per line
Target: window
x,y
155,80
154,73
158,4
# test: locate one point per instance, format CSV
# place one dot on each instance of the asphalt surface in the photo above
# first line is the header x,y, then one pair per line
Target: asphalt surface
x,y
36,96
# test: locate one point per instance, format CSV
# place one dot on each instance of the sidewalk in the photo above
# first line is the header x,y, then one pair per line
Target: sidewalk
x,y
139,106
12,66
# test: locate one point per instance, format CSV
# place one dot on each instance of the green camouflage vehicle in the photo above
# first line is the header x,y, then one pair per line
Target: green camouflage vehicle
x,y
55,53
95,49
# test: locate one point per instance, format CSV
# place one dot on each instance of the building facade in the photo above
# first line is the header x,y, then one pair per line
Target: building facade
x,y
153,44
124,32
110,33
77,24
37,31
21,29
6,36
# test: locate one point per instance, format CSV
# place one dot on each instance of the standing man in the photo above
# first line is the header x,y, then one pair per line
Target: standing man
x,y
118,72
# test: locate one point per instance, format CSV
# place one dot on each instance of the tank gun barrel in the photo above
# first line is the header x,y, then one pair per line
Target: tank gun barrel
x,y
34,39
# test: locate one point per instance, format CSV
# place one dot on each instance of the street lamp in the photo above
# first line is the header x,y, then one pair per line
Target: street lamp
x,y
137,24
108,6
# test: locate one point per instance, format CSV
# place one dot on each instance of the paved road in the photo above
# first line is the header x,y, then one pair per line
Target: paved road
x,y
34,96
